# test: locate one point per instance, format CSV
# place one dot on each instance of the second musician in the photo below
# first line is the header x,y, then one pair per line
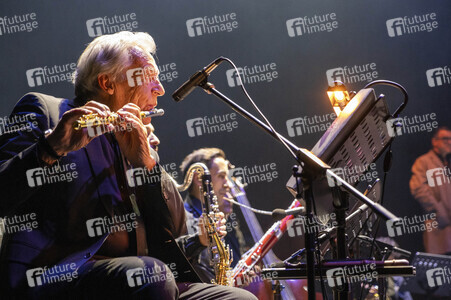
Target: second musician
x,y
215,160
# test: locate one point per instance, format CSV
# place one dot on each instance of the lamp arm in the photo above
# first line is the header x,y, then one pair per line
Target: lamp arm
x,y
396,85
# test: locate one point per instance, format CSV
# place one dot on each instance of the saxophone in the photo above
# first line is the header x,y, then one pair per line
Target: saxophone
x,y
220,252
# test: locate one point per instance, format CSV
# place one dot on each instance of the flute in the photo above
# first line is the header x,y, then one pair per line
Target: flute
x,y
95,120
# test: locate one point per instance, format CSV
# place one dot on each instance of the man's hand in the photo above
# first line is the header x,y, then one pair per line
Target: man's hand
x,y
64,138
133,139
221,228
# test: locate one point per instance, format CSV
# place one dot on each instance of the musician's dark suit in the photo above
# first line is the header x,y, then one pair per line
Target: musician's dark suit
x,y
63,208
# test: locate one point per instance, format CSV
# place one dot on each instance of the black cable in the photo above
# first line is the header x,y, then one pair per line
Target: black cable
x,y
278,137
318,257
396,85
388,156
257,109
387,165
386,170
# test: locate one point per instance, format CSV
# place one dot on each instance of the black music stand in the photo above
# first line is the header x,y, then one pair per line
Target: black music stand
x,y
313,168
356,138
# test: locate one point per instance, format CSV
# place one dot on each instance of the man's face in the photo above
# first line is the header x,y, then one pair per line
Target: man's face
x,y
442,142
144,95
219,170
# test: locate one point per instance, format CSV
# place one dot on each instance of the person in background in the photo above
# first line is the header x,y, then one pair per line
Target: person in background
x,y
430,185
218,165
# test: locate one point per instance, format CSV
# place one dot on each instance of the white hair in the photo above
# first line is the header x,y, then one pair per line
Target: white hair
x,y
109,54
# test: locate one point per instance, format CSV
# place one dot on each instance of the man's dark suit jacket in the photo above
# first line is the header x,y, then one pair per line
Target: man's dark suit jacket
x,y
63,208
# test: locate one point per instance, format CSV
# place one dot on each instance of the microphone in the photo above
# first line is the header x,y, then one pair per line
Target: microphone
x,y
279,213
196,79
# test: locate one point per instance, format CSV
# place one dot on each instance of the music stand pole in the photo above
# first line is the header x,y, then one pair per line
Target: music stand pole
x,y
309,235
341,205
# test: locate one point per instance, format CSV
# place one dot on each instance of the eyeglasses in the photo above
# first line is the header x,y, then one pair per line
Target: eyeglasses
x,y
446,139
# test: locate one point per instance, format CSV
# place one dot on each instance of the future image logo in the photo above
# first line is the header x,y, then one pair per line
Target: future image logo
x,y
18,23
108,25
438,176
438,76
142,176
409,25
414,224
309,25
18,223
49,75
210,25
308,125
35,77
140,76
353,174
47,175
195,127
302,225
233,77
95,27
357,73
252,74
117,223
135,77
335,277
34,277
394,126
338,277
150,275
438,277
168,72
411,124
256,173
135,277
55,274
211,125
18,123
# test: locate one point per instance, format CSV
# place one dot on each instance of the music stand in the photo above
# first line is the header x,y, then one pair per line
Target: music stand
x,y
313,168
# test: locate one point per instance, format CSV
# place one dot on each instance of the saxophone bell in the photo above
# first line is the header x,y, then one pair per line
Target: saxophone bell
x,y
201,168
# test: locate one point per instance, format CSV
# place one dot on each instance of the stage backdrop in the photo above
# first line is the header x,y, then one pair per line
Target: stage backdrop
x,y
288,52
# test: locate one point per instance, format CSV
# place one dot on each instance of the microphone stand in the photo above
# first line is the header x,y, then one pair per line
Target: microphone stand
x,y
313,168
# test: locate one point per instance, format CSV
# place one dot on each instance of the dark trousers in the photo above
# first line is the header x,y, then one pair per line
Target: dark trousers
x,y
133,278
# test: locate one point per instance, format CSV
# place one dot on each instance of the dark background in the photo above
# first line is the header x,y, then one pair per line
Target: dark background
x,y
261,38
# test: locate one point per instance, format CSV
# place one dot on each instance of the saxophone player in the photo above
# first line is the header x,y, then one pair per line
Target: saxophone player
x,y
215,160
78,249
195,228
